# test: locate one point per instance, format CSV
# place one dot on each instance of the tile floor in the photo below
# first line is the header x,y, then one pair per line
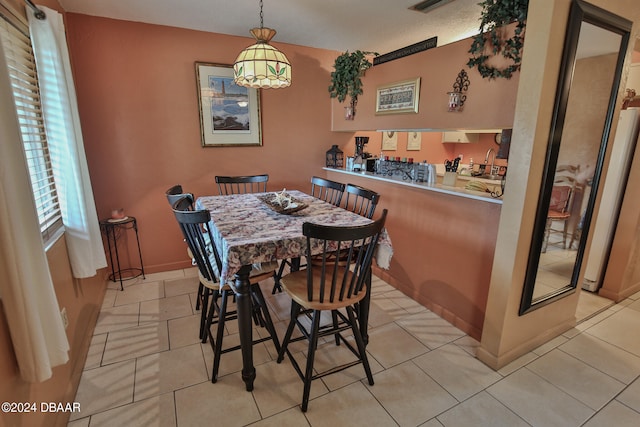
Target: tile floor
x,y
145,367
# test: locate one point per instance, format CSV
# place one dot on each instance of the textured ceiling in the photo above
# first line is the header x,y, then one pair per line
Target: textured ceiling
x,y
374,25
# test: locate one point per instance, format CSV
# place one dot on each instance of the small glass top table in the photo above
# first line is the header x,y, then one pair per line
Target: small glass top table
x,y
113,230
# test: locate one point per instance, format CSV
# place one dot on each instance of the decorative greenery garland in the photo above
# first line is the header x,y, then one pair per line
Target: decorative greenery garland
x,y
496,14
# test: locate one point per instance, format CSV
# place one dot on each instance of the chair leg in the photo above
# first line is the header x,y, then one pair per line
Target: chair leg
x,y
268,323
277,275
210,315
203,313
360,343
217,349
199,295
547,230
295,312
308,374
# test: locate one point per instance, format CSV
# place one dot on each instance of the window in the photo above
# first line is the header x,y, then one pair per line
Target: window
x,y
24,81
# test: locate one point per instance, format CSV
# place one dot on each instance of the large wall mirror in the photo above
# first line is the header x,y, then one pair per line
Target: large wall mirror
x,y
594,50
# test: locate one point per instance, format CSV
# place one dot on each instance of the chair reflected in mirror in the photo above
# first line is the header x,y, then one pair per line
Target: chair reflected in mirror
x,y
566,190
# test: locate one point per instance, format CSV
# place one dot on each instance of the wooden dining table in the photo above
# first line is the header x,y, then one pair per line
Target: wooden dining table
x,y
246,230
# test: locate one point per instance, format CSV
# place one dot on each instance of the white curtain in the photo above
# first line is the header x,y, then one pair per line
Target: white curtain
x,y
64,136
28,297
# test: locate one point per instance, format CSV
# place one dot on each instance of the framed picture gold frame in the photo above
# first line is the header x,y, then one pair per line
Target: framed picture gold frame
x,y
397,98
229,114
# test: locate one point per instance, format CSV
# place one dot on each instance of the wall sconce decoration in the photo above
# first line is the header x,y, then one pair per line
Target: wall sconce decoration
x,y
458,96
335,157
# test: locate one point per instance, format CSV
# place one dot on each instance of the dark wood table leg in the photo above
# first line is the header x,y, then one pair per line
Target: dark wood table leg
x,y
243,303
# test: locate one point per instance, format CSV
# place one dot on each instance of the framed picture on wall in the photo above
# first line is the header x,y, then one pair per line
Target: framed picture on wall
x,y
389,140
414,141
229,114
400,97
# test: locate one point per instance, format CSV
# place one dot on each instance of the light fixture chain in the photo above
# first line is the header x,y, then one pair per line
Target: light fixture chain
x,y
261,16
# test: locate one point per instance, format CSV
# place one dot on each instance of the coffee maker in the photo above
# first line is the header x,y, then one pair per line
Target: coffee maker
x,y
359,161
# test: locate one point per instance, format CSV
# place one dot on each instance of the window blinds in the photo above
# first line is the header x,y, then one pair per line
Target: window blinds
x,y
24,82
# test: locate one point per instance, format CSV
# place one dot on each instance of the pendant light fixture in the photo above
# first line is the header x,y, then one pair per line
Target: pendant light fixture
x,y
262,65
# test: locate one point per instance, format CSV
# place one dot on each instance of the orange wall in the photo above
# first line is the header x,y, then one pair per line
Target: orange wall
x,y
136,89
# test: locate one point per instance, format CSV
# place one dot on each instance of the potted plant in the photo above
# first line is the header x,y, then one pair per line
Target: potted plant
x,y
495,15
346,79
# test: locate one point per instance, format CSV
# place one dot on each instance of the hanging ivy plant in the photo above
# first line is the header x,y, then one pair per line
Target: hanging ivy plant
x,y
345,80
495,15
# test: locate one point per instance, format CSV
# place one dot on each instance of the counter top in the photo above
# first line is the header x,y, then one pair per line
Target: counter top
x,y
439,188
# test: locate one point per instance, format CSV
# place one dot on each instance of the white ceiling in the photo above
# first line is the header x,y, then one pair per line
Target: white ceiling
x,y
372,25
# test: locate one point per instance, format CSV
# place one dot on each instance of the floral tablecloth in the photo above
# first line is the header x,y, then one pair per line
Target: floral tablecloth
x,y
246,231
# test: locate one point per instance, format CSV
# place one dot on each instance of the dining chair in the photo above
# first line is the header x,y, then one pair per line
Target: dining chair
x,y
242,184
174,194
560,208
361,200
205,255
323,189
330,287
327,190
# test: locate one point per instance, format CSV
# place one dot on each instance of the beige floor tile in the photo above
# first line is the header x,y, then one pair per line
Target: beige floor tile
x,y
278,388
481,410
179,286
614,414
165,308
140,292
83,422
390,307
589,304
459,373
225,403
430,329
190,272
290,418
109,297
517,364
353,403
136,342
550,345
157,411
538,402
620,329
404,301
405,346
116,318
576,378
105,388
631,396
166,371
409,395
468,344
184,331
96,350
378,316
164,275
611,360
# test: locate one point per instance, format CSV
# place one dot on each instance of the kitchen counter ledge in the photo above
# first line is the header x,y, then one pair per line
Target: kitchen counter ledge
x,y
438,188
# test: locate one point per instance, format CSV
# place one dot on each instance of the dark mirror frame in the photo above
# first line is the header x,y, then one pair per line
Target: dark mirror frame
x,y
580,12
